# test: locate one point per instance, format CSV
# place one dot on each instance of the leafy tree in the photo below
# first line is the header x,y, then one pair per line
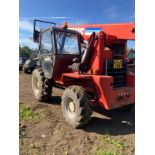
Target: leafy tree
x,y
25,51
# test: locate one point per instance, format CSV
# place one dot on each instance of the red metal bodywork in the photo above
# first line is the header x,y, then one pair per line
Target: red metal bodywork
x,y
100,85
120,31
95,81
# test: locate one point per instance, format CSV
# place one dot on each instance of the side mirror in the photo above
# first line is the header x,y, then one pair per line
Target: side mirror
x,y
36,36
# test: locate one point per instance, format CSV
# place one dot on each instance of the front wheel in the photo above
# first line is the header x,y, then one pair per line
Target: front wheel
x,y
75,106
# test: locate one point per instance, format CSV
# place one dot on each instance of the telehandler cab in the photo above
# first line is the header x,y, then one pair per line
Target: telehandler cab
x,y
94,75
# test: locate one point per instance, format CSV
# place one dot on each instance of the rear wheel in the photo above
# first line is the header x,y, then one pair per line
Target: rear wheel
x,y
75,106
25,70
42,88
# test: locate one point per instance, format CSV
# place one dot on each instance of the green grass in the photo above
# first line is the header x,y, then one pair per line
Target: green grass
x,y
118,144
105,152
112,140
25,112
110,146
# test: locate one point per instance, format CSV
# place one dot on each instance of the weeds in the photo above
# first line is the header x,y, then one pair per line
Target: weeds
x,y
118,144
25,112
105,152
116,147
114,141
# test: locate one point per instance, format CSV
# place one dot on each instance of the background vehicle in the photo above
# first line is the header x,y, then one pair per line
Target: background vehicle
x,y
98,76
21,62
30,65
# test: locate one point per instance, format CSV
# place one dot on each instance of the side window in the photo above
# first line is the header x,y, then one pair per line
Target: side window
x,y
46,43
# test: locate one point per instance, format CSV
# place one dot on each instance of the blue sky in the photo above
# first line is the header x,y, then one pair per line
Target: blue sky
x,y
74,12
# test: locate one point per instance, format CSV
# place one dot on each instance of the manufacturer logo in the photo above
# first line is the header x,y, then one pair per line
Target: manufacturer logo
x,y
86,31
89,31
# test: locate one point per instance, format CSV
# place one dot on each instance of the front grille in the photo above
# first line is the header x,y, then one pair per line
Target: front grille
x,y
119,75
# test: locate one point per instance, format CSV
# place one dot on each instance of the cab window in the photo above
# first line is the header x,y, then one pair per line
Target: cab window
x,y
46,43
67,43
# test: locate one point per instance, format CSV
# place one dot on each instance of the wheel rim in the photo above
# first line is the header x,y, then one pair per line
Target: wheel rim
x,y
36,83
70,108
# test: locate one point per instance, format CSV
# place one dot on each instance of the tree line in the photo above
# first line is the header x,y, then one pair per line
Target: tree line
x,y
26,51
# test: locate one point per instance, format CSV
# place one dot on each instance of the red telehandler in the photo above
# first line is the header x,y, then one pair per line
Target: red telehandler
x,y
89,63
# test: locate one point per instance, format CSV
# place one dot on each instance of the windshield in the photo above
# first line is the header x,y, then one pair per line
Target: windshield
x,y
67,43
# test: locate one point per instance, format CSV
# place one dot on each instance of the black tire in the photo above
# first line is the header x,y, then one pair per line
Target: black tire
x,y
42,88
25,70
80,114
31,70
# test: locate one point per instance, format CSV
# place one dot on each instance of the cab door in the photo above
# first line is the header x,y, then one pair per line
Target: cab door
x,y
47,53
67,47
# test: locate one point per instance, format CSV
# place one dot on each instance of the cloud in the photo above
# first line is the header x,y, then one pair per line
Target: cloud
x,y
26,28
25,40
49,17
28,42
25,25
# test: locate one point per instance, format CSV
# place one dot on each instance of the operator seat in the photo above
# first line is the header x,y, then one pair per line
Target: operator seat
x,y
83,66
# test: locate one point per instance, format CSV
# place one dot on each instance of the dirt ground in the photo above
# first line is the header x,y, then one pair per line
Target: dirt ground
x,y
108,133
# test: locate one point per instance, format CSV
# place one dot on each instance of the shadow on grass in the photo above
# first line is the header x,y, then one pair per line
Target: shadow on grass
x,y
118,122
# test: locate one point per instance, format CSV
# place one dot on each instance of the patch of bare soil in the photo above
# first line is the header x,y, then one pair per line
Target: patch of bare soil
x,y
45,132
